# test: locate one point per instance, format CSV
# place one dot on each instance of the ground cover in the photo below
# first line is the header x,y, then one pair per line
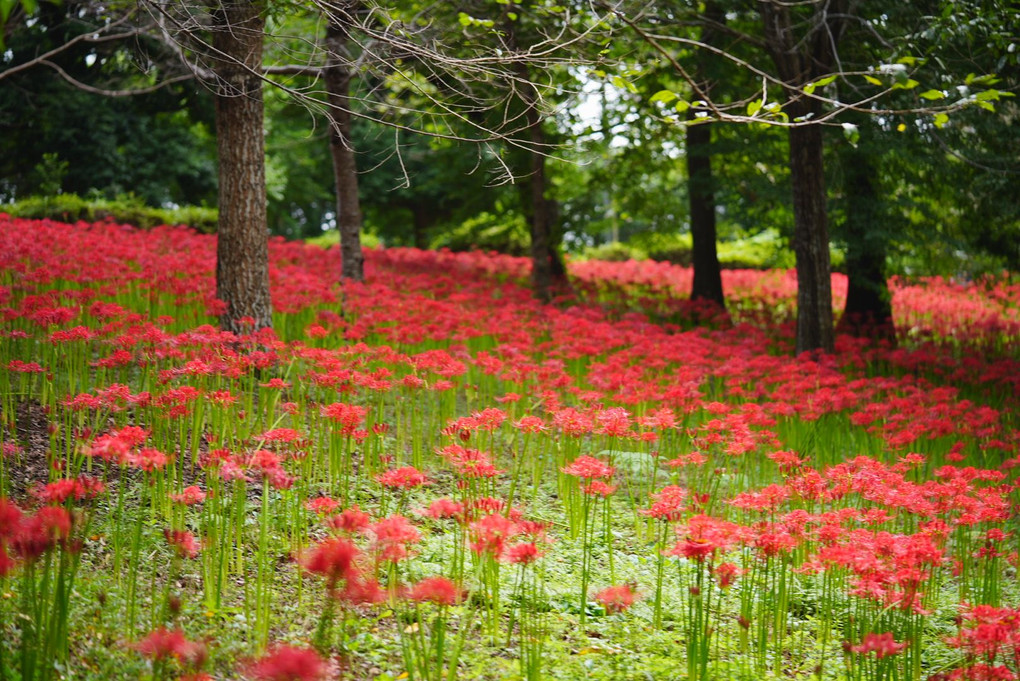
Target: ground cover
x,y
432,476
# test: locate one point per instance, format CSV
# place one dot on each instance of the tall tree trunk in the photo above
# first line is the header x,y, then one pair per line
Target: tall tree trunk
x,y
799,60
345,168
541,223
868,309
420,220
811,237
701,195
242,250
707,283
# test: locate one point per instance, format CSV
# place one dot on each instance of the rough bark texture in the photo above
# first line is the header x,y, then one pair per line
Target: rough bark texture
x,y
345,168
701,195
868,310
242,251
541,269
811,241
707,284
799,59
540,212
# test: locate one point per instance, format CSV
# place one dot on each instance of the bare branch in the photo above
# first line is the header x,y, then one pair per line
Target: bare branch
x,y
130,92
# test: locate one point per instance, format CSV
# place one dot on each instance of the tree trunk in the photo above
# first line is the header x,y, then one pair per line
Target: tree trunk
x,y
420,220
345,168
541,267
868,310
810,237
707,284
701,194
799,60
242,250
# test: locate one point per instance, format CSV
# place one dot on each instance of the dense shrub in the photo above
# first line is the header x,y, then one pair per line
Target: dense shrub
x,y
128,210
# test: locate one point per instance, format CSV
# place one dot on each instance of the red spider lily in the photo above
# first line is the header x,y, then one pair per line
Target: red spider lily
x,y
361,592
322,505
617,598
614,422
986,631
978,672
787,461
347,416
598,488
767,499
669,503
148,460
350,520
162,643
883,645
335,559
692,459
405,477
61,490
190,496
288,663
11,517
572,422
522,554
392,536
726,573
490,418
183,542
588,467
280,435
535,529
444,508
490,533
438,590
530,424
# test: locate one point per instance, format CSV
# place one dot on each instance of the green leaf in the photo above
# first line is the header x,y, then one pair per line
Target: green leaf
x,y
852,134
932,95
681,106
5,8
987,96
908,60
754,107
941,119
664,96
873,80
908,84
810,87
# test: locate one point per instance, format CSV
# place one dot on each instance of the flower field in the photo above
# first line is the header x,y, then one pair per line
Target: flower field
x,y
432,476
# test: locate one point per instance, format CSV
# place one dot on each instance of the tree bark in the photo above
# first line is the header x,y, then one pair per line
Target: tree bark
x,y
798,60
420,220
345,167
707,284
701,196
811,238
868,309
242,250
541,266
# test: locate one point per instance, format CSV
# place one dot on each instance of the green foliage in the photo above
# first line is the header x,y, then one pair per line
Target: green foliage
x,y
127,210
505,233
766,249
331,238
51,171
158,146
614,251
